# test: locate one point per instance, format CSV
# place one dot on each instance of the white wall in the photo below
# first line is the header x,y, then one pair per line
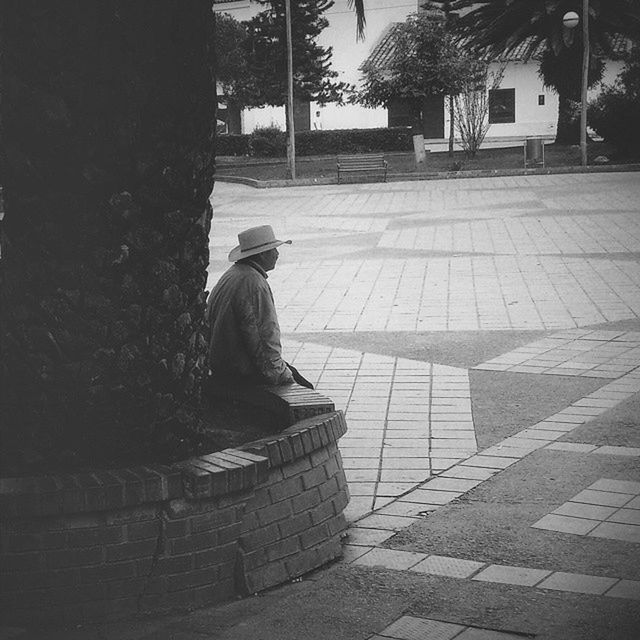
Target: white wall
x,y
532,119
348,55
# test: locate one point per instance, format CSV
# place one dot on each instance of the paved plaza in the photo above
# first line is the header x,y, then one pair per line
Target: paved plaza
x,y
553,260
557,254
482,336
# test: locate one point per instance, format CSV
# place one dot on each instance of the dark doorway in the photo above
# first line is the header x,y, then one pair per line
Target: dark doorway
x,y
433,117
403,113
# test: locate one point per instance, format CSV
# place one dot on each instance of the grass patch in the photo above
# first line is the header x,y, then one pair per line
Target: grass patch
x,y
403,163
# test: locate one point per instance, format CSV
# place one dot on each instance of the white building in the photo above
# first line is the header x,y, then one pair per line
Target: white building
x,y
521,106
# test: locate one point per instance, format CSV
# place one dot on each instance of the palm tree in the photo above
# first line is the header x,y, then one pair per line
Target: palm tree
x,y
107,165
108,113
358,7
498,27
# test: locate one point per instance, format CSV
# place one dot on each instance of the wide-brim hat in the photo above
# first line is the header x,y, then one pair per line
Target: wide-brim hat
x,y
254,241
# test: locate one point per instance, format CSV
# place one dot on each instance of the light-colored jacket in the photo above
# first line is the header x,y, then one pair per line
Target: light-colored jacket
x,y
245,334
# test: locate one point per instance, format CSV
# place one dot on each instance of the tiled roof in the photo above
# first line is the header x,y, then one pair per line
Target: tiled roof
x,y
383,51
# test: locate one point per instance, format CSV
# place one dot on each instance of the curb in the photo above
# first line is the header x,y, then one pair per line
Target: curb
x,y
441,175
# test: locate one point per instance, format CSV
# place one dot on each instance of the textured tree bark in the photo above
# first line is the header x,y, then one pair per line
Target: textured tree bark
x,y
568,129
108,113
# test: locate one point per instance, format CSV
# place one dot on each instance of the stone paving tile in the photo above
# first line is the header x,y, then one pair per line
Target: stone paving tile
x,y
554,424
605,498
489,462
582,510
415,476
445,566
625,516
616,531
412,628
619,486
424,496
408,509
359,506
515,453
385,521
512,575
367,537
575,447
487,634
632,452
625,589
383,501
441,464
540,434
389,558
577,583
565,524
349,462
361,475
450,484
352,552
409,463
393,489
471,473
362,488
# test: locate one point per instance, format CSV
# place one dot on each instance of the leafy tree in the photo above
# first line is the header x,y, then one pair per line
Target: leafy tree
x,y
499,26
231,64
266,53
107,166
426,62
471,107
614,114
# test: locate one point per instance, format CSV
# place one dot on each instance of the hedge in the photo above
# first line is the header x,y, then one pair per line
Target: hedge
x,y
614,116
270,142
233,144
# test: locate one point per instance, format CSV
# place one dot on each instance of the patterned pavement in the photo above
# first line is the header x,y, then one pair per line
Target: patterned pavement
x,y
553,254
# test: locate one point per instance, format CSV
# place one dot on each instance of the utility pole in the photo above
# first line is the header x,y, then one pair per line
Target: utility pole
x,y
291,140
585,82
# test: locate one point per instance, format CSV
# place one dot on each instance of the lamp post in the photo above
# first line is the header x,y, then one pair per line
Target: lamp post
x,y
570,21
291,141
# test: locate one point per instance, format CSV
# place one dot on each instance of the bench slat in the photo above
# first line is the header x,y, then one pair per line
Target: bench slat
x,y
370,163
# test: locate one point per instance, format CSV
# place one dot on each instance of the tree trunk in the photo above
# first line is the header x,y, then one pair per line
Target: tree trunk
x,y
568,129
107,164
451,126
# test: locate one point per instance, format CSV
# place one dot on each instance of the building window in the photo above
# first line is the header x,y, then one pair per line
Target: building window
x,y
541,100
502,105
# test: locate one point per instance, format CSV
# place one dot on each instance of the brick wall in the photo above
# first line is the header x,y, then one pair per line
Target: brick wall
x,y
105,545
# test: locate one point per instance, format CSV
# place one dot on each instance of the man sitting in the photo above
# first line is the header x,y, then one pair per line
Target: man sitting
x,y
244,343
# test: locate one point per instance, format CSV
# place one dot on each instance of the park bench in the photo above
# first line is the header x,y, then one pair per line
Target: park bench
x,y
362,164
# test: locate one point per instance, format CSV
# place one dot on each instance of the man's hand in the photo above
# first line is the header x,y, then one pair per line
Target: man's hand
x,y
298,378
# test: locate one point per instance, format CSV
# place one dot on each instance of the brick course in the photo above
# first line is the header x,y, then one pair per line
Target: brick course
x,y
109,544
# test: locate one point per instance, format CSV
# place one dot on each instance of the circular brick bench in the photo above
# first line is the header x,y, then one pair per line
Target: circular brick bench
x,y
109,544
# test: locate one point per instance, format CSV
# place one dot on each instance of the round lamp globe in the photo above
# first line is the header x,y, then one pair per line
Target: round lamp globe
x,y
570,19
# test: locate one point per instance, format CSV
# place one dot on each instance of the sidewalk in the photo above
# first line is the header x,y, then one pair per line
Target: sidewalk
x,y
483,337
